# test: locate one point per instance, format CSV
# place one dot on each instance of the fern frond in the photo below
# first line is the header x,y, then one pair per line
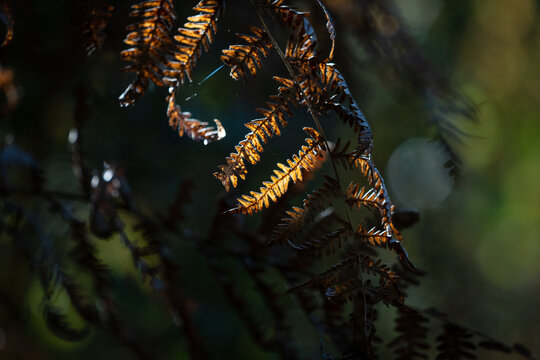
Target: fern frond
x,y
150,46
375,237
362,196
243,59
387,277
345,269
298,217
7,18
341,281
365,164
362,322
307,159
262,130
300,52
342,103
93,17
455,343
411,343
196,35
328,243
195,129
296,20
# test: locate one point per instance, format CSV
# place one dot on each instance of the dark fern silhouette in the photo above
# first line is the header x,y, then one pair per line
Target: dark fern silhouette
x,y
343,224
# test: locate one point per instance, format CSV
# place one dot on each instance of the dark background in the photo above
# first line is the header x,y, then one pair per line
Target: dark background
x,y
479,245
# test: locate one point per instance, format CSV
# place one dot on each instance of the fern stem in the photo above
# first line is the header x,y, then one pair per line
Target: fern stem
x,y
308,103
321,131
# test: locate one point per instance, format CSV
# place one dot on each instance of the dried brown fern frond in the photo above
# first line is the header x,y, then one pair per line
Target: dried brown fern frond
x,y
7,18
359,196
301,52
374,236
341,281
262,130
329,243
327,83
195,129
364,163
92,17
307,159
150,46
298,217
197,34
344,270
244,59
295,20
315,234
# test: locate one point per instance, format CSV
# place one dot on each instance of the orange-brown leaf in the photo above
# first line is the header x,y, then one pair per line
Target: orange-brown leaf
x,y
261,130
196,35
195,129
150,46
246,59
306,159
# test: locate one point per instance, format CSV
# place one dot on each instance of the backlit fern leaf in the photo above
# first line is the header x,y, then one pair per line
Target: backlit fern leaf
x,y
373,236
195,129
244,59
150,46
327,89
307,159
196,35
362,196
262,130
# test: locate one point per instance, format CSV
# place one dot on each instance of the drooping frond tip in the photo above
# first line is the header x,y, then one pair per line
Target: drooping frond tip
x,y
330,27
244,59
195,129
307,159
